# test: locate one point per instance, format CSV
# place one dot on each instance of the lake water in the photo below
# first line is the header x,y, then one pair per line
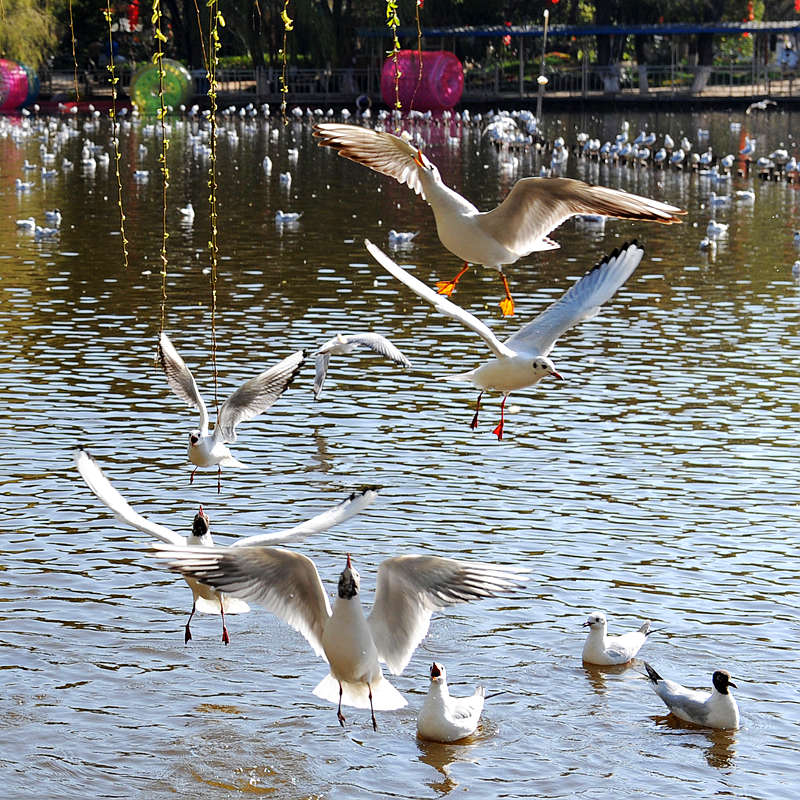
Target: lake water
x,y
657,481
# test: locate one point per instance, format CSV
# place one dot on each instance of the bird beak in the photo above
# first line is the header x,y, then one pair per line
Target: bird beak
x,y
556,375
348,561
418,159
731,683
586,624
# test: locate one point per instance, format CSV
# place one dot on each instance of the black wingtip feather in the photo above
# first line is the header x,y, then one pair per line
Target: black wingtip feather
x,y
652,674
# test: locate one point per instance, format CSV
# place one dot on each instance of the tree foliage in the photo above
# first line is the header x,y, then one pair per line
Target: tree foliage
x,y
28,31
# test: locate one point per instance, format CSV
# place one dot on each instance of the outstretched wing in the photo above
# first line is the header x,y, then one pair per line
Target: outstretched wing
x,y
180,379
283,582
411,588
256,396
581,301
439,302
384,152
381,345
106,493
355,503
537,206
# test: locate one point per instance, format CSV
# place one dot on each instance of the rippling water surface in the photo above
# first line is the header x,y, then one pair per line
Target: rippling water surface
x,y
658,481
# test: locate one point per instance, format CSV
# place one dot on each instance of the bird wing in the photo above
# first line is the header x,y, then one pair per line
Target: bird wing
x,y
537,206
381,345
378,150
581,301
321,370
180,379
285,583
256,395
411,588
686,703
439,302
355,503
105,492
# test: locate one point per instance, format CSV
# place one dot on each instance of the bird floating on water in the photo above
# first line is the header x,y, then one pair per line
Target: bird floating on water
x,y
522,360
518,226
600,648
444,718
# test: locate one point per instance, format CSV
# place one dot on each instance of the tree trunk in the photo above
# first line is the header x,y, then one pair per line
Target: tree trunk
x,y
705,49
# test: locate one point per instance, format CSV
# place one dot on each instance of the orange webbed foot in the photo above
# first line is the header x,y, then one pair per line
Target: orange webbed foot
x,y
498,431
445,287
507,307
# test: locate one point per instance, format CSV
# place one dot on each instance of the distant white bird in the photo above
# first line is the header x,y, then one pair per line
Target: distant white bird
x,y
208,600
267,165
444,718
139,175
23,186
522,360
187,213
518,226
745,196
796,237
761,105
593,222
716,230
400,238
719,200
344,344
250,399
28,224
599,648
409,590
749,147
53,217
716,709
796,269
285,179
707,243
284,217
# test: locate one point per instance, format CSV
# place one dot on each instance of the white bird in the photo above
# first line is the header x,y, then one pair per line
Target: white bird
x,y
716,229
599,648
344,344
522,360
267,165
285,179
400,238
187,213
282,217
409,590
207,600
746,196
716,709
28,224
796,270
706,243
444,718
53,217
250,399
518,226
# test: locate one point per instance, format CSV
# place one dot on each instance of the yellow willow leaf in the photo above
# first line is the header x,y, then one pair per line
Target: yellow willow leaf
x,y
221,20
160,36
287,21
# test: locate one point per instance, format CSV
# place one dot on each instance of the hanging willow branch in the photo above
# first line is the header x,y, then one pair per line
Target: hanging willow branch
x,y
114,80
74,57
417,6
393,23
288,25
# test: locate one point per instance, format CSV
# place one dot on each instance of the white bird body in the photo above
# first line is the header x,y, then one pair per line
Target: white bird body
x,y
252,398
409,589
600,648
714,709
522,360
518,226
344,344
206,599
444,718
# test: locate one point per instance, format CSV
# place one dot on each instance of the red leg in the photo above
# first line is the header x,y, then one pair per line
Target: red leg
x,y
507,303
191,477
446,287
219,479
474,423
225,638
188,634
498,431
339,714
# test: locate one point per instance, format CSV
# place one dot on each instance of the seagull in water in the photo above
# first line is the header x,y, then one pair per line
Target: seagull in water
x,y
444,718
409,590
605,650
518,226
250,399
522,360
715,709
344,344
207,600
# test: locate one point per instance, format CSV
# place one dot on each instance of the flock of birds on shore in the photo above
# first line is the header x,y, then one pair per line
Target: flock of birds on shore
x,y
257,569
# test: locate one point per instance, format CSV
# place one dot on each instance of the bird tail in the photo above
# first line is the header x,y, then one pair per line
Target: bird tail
x,y
652,674
465,377
646,629
384,696
230,461
230,605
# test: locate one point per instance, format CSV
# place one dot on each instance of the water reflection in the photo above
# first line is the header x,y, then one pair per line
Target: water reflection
x,y
597,674
441,757
721,750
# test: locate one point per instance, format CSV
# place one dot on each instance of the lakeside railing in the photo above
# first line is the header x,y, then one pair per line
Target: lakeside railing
x,y
480,85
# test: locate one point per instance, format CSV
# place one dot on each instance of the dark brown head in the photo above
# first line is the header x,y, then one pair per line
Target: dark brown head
x,y
722,680
349,581
201,524
438,673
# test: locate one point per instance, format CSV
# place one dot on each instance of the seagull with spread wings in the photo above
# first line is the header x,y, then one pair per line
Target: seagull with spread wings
x,y
518,226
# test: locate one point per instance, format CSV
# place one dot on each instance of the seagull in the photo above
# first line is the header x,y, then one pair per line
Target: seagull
x,y
28,224
518,226
282,217
401,238
605,650
761,105
344,344
715,229
205,599
187,213
250,399
443,718
410,588
715,709
522,360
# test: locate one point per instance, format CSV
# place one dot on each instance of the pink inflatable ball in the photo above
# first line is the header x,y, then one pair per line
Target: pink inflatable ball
x,y
13,85
440,86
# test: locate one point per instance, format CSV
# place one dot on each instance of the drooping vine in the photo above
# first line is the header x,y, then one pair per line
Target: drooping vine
x,y
417,6
393,23
114,80
288,25
74,57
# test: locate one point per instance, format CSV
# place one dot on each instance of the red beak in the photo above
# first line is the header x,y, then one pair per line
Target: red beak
x,y
418,159
348,561
556,375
